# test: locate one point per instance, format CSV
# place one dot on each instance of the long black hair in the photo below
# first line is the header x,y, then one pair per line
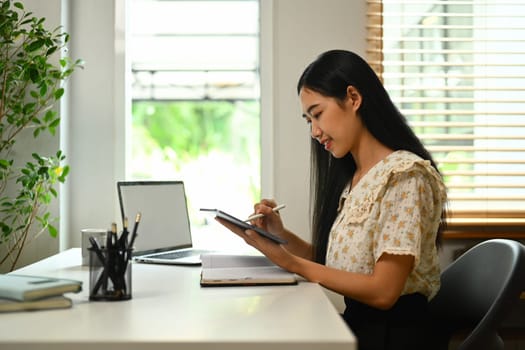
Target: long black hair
x,y
330,75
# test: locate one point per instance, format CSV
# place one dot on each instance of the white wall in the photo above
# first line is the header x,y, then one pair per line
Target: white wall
x,y
296,32
94,127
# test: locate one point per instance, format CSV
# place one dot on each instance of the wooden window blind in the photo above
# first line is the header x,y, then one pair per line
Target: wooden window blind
x,y
456,70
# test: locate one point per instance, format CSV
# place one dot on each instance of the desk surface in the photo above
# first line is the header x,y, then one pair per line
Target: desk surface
x,y
169,309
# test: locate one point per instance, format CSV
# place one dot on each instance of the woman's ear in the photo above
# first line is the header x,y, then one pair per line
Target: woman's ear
x,y
353,98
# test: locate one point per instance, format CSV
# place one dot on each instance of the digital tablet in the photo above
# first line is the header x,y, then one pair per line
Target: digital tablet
x,y
244,225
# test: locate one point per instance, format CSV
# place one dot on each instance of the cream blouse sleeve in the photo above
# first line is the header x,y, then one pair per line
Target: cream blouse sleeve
x,y
409,208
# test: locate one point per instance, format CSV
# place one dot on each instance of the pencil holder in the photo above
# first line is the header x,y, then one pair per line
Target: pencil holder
x,y
109,274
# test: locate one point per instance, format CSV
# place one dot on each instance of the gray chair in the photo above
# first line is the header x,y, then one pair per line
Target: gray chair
x,y
477,291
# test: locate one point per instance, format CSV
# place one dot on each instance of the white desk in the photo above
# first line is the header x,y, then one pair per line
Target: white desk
x,y
169,310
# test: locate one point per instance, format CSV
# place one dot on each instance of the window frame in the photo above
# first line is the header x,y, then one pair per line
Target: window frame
x,y
221,237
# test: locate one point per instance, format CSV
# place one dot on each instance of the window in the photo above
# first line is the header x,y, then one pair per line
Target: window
x,y
195,100
456,71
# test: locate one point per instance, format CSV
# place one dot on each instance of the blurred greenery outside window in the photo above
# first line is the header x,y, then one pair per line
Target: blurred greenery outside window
x,y
195,101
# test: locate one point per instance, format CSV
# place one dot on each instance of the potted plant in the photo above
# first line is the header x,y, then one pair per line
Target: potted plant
x,y
33,69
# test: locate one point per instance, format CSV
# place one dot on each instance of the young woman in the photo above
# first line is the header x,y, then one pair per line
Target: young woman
x,y
378,206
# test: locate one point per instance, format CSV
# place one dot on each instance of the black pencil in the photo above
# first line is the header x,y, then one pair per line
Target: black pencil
x,y
123,240
96,249
134,233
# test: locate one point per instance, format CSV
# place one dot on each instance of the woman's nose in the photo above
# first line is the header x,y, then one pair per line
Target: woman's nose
x,y
315,131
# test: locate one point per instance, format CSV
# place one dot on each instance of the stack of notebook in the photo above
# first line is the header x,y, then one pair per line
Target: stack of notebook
x,y
20,292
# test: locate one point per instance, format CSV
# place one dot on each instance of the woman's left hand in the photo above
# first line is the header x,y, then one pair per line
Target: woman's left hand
x,y
277,253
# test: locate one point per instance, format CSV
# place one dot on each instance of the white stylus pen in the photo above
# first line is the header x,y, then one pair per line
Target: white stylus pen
x,y
257,216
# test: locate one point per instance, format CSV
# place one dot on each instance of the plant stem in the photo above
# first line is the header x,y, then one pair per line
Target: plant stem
x,y
20,241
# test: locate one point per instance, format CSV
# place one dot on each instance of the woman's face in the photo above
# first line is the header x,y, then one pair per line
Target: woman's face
x,y
337,127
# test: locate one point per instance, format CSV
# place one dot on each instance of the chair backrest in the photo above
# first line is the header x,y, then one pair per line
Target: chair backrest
x,y
477,291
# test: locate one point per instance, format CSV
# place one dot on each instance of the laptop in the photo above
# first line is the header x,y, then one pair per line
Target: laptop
x,y
163,233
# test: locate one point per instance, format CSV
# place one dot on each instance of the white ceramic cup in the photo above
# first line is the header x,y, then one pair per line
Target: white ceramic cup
x,y
98,233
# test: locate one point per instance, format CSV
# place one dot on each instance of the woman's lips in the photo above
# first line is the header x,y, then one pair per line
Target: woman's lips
x,y
327,144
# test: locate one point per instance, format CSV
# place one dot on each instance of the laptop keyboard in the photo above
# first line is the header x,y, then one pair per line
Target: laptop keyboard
x,y
178,254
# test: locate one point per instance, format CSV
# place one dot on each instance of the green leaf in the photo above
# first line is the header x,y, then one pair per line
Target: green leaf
x,y
43,89
34,74
53,232
59,93
80,63
6,230
7,204
35,45
51,50
18,5
4,164
45,198
65,172
54,123
29,108
49,115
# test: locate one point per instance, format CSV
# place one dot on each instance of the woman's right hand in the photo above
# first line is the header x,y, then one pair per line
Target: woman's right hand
x,y
271,221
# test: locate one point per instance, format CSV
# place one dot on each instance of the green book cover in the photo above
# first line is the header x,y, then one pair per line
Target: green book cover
x,y
23,288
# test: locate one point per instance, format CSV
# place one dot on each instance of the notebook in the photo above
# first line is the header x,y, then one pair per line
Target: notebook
x,y
164,235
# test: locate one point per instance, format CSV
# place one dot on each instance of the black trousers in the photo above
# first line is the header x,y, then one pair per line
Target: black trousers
x,y
406,326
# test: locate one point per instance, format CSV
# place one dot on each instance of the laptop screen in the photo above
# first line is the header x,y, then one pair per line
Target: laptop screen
x,y
164,222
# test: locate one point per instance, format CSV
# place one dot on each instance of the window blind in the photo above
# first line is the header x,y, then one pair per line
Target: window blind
x,y
456,70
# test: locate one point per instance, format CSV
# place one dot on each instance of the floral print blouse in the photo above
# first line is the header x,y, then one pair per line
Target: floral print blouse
x,y
396,209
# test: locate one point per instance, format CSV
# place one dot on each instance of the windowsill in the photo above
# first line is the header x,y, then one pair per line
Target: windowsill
x,y
477,225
